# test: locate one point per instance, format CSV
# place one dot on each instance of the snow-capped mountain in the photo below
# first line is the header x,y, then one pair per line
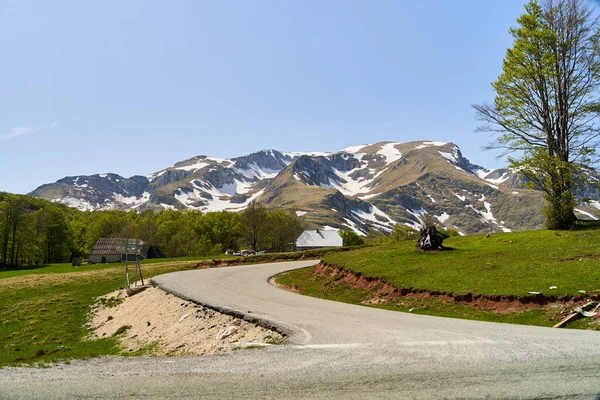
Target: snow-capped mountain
x,y
361,187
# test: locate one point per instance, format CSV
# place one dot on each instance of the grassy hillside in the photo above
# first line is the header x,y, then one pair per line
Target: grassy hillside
x,y
496,264
502,266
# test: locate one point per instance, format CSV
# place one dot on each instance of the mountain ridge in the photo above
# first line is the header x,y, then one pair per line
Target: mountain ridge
x,y
372,186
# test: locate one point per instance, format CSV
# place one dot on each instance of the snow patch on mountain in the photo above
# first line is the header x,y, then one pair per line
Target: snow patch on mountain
x,y
384,221
295,154
488,212
442,218
219,199
595,204
390,152
353,149
350,186
448,156
417,213
80,204
587,214
254,172
194,167
237,187
352,225
155,175
502,179
430,144
482,173
461,198
228,163
369,196
132,201
487,216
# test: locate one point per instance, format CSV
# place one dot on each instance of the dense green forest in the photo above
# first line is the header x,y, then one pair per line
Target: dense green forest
x,y
36,231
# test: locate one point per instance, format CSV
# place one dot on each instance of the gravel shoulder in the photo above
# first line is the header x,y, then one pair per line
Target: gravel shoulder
x,y
154,322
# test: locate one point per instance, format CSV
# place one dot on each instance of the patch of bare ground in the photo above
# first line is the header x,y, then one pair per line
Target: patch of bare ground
x,y
384,292
157,323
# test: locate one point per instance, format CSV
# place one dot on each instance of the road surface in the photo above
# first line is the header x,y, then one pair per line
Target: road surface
x,y
334,350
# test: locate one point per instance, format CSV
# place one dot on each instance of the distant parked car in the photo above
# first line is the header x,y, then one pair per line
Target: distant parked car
x,y
240,253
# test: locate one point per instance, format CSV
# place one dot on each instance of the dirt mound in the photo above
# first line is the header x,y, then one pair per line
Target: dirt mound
x,y
158,323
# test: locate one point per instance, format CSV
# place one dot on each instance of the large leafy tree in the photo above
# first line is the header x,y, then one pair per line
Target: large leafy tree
x,y
284,227
253,224
546,105
350,238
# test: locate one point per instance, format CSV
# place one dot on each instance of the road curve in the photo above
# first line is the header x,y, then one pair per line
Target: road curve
x,y
316,322
334,350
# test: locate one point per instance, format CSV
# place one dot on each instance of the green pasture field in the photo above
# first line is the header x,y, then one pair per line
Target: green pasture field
x,y
497,264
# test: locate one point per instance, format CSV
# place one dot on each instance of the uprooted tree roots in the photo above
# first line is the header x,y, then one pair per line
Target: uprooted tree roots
x,y
430,238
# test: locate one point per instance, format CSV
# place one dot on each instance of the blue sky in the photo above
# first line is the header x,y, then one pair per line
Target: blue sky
x,y
132,87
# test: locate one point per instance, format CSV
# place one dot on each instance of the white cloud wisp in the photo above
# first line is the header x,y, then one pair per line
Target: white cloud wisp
x,y
27,129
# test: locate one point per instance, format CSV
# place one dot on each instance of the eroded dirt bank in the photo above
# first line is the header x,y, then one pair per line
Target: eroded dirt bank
x,y
384,292
157,323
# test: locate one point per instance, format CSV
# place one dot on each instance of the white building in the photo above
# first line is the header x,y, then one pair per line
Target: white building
x,y
318,239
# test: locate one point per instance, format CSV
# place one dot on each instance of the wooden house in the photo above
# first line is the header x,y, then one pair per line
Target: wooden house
x,y
109,250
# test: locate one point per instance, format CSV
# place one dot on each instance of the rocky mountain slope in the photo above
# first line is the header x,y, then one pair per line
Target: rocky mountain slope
x,y
361,187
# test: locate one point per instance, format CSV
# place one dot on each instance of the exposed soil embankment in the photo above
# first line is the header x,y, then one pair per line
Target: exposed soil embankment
x,y
505,304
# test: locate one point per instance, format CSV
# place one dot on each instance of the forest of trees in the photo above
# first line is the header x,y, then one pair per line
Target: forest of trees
x,y
35,231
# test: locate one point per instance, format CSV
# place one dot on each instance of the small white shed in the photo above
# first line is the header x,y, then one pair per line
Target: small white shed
x,y
318,239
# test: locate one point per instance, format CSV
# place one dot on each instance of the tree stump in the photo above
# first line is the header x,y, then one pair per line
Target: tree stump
x,y
431,239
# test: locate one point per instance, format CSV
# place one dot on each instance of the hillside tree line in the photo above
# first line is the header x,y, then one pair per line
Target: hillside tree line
x,y
35,231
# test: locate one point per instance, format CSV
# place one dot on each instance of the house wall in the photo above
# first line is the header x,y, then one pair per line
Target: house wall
x,y
110,258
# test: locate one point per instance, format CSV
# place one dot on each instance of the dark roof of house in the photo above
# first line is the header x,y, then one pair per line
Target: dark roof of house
x,y
110,246
319,238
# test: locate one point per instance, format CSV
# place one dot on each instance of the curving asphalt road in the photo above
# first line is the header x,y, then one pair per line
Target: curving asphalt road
x,y
334,350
